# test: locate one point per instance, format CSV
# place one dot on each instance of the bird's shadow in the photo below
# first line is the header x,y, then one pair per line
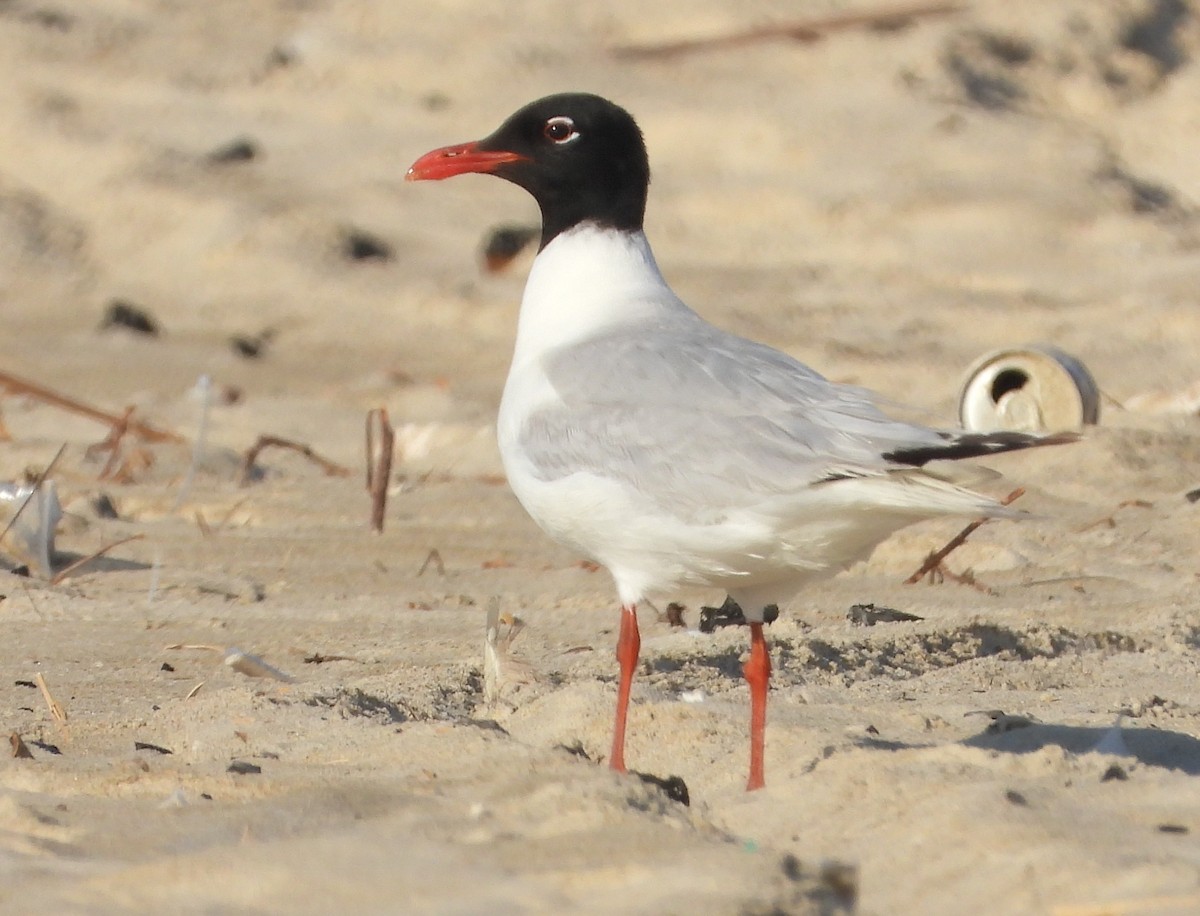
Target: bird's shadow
x,y
1157,747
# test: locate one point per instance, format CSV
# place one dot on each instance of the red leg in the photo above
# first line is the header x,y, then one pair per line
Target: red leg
x,y
758,674
629,643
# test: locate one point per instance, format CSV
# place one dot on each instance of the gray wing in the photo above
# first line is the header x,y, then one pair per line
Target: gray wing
x,y
693,417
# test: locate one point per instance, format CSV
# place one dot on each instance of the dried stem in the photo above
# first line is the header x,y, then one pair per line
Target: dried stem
x,y
112,444
435,559
21,386
934,560
82,561
799,30
379,462
57,712
329,467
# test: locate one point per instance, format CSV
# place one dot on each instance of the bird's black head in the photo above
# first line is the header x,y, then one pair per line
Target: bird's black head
x,y
580,156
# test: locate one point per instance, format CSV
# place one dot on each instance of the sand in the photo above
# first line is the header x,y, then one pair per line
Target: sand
x,y
886,206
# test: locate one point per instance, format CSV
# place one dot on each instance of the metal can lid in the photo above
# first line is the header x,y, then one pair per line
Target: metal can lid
x,y
1034,388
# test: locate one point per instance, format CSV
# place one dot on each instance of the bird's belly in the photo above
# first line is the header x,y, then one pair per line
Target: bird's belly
x,y
650,551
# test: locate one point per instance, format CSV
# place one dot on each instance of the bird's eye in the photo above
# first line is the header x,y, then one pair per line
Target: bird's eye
x,y
560,130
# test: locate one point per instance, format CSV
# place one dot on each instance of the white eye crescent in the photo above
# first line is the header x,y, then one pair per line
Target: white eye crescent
x,y
560,130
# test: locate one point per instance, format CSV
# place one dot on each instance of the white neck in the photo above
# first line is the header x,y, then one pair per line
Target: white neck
x,y
586,280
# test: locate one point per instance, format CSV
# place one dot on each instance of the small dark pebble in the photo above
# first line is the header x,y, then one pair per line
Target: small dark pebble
x,y
166,666
21,570
243,149
1173,828
503,243
243,768
247,347
792,869
435,101
362,246
1016,798
675,614
281,56
673,786
47,747
104,507
1192,495
730,615
575,750
842,879
51,19
867,615
147,746
206,796
30,684
1114,772
121,313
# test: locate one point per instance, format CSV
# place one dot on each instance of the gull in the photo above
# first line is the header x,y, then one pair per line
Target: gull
x,y
667,450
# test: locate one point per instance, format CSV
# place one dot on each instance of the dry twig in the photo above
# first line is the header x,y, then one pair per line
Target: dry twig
x,y
111,444
1132,906
934,561
70,568
19,749
329,467
436,559
29,389
379,462
57,712
807,30
1110,521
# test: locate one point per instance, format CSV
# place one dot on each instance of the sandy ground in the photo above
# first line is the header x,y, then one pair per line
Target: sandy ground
x,y
884,205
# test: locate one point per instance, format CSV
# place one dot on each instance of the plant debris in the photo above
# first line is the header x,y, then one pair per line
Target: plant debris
x,y
83,561
19,749
887,19
359,245
121,313
57,711
318,659
147,746
934,564
503,243
672,786
240,149
730,614
252,346
253,666
867,615
248,471
381,444
501,669
435,558
20,386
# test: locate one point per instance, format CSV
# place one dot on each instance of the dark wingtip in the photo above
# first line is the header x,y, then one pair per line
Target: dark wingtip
x,y
977,445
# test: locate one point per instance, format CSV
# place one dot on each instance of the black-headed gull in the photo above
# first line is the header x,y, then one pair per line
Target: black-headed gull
x,y
663,448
